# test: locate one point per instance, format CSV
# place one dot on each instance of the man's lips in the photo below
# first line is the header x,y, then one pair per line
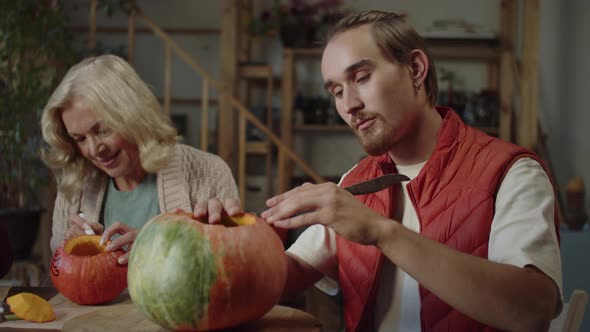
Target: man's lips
x,y
364,124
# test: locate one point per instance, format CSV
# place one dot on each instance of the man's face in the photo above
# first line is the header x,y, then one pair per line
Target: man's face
x,y
373,95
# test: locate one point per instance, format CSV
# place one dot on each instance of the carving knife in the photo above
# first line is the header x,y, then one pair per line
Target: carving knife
x,y
376,184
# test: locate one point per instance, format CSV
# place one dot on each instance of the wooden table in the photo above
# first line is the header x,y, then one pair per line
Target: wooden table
x,y
123,316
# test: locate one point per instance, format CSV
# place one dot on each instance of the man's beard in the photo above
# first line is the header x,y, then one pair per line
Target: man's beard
x,y
374,141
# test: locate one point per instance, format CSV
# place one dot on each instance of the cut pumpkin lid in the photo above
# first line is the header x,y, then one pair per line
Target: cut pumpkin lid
x,y
31,307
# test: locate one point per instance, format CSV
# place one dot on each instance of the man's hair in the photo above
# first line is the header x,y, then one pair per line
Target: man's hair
x,y
122,102
395,37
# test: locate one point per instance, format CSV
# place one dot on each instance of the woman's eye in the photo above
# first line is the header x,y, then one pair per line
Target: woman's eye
x,y
79,139
337,93
104,131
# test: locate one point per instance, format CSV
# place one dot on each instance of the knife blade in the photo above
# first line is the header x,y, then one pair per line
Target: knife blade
x,y
4,311
376,184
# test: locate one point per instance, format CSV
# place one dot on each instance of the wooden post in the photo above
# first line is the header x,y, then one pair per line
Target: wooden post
x,y
242,158
167,78
507,60
269,123
225,130
205,116
528,130
493,70
285,167
92,25
131,39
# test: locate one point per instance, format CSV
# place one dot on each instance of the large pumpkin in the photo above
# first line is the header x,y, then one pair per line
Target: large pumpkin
x,y
189,275
83,271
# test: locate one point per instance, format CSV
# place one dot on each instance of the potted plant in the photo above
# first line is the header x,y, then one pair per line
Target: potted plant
x,y
35,50
299,23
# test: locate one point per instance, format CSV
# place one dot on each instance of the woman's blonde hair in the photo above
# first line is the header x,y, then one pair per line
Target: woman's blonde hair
x,y
123,102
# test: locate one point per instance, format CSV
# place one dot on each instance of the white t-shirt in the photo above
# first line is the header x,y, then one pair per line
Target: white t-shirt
x,y
522,233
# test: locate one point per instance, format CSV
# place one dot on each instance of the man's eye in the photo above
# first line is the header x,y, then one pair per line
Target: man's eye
x,y
363,78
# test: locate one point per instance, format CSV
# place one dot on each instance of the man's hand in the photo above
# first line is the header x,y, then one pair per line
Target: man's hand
x,y
325,204
213,208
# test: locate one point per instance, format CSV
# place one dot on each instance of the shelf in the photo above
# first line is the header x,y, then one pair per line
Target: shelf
x,y
465,53
188,101
255,71
440,48
257,147
142,30
304,51
322,128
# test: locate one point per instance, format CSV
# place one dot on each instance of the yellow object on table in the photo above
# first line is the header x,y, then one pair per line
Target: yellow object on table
x,y
31,307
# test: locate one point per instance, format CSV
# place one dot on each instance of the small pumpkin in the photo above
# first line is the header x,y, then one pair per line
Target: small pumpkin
x,y
84,272
31,307
186,274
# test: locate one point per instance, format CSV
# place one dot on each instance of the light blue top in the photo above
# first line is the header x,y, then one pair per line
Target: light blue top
x,y
133,208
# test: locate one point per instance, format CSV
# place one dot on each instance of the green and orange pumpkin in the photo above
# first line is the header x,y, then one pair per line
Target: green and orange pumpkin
x,y
189,275
84,272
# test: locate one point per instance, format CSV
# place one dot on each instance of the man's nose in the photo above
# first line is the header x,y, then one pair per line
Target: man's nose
x,y
352,101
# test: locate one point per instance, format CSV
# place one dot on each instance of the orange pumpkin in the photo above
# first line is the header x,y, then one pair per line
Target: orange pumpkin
x,y
84,272
188,275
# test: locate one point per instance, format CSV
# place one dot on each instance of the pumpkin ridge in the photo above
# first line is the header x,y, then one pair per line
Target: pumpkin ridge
x,y
157,250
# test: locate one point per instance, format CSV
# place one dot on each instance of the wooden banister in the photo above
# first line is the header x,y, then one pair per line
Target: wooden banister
x,y
184,55
172,48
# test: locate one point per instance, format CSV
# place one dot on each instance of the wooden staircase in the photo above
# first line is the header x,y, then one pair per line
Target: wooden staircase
x,y
234,107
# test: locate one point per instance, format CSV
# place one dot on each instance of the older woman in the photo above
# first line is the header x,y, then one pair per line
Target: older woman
x,y
116,156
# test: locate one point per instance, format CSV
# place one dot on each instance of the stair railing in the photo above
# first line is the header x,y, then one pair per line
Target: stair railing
x,y
172,47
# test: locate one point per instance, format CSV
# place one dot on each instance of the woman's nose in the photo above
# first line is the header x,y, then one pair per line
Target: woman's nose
x,y
95,146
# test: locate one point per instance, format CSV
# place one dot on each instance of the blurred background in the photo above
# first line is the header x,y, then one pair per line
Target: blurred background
x,y
514,69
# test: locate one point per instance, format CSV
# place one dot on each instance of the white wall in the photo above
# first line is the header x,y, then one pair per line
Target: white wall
x,y
564,50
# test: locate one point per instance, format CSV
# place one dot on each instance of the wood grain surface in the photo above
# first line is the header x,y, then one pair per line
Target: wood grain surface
x,y
128,318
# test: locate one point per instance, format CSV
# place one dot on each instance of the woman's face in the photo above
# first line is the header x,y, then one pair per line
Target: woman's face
x,y
107,150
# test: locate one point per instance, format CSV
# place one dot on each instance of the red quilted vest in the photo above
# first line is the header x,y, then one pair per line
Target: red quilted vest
x,y
454,197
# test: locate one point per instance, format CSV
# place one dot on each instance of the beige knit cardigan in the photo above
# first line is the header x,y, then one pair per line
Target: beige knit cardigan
x,y
191,176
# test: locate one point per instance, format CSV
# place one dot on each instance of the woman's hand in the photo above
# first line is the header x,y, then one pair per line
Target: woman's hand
x,y
128,235
213,208
78,225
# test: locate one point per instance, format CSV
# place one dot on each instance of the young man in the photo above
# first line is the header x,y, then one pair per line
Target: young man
x,y
469,244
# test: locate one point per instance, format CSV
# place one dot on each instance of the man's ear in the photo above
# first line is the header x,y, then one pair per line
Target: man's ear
x,y
418,66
